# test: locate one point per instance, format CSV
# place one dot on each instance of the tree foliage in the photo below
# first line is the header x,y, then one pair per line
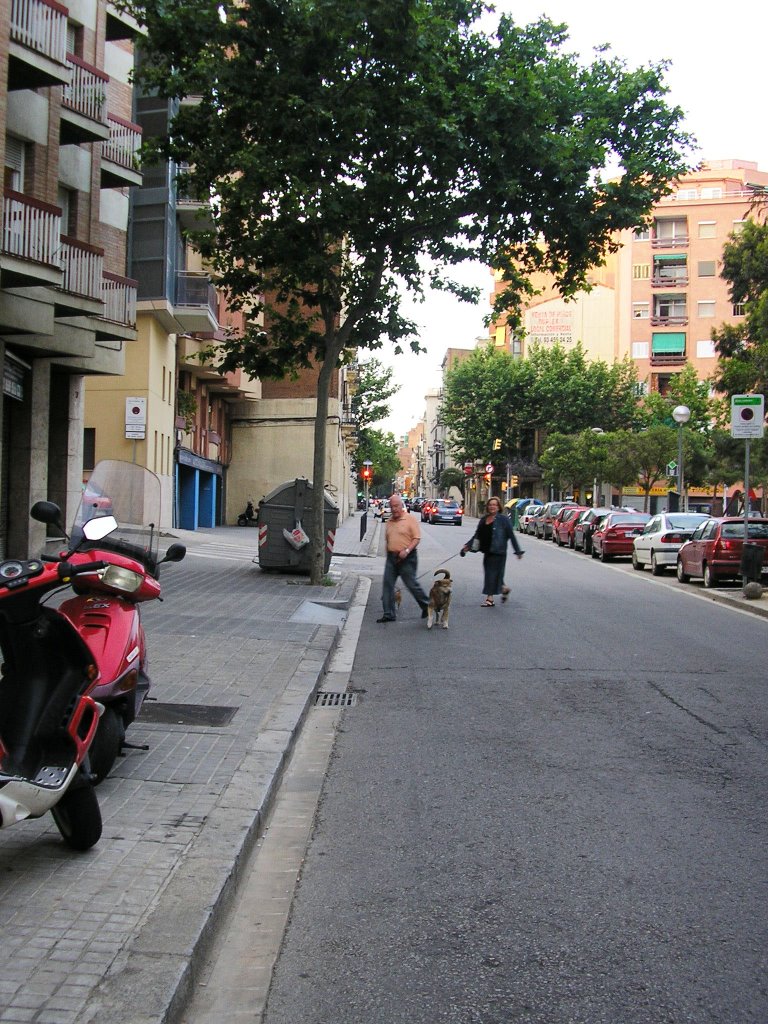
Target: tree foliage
x,y
345,141
743,347
373,390
492,395
381,449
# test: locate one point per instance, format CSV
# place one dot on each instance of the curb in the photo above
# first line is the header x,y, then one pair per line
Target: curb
x,y
173,940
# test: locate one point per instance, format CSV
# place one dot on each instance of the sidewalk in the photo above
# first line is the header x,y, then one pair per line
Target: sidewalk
x,y
236,657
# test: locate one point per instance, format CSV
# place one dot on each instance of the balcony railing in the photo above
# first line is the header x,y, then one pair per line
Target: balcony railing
x,y
669,321
669,281
31,229
119,295
678,242
667,358
83,266
124,142
87,90
196,290
40,25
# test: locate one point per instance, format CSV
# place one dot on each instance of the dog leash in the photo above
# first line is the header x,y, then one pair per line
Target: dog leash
x,y
449,559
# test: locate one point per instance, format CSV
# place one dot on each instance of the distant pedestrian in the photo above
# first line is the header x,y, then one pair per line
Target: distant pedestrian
x,y
493,531
403,534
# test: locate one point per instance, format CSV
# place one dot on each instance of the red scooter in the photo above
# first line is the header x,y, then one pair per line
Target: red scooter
x,y
48,718
105,610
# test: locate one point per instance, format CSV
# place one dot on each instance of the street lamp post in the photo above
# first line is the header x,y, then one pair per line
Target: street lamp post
x,y
595,502
680,414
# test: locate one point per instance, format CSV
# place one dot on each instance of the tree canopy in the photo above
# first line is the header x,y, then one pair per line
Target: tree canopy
x,y
743,348
345,141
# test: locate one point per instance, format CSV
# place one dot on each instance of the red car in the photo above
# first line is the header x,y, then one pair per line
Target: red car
x,y
714,551
563,524
615,534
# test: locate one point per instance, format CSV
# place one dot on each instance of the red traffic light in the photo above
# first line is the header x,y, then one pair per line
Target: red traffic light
x,y
366,473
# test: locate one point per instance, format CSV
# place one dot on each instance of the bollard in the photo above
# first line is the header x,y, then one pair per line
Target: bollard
x,y
363,524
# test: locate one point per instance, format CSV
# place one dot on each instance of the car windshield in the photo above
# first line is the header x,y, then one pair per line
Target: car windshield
x,y
629,519
757,531
685,522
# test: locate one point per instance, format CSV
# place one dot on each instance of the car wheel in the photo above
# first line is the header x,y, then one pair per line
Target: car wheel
x,y
656,567
593,552
458,522
604,557
636,563
710,580
681,575
571,542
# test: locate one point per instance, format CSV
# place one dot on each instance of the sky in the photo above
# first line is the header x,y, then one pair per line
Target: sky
x,y
716,76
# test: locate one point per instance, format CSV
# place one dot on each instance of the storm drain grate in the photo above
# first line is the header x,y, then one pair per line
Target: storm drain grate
x,y
214,715
335,700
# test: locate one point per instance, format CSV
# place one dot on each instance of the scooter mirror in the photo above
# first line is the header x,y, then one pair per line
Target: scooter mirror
x,y
46,512
175,553
97,529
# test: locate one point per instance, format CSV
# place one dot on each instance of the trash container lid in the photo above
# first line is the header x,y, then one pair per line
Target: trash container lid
x,y
285,494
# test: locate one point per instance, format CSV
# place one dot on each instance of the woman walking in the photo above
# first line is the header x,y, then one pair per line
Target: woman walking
x,y
492,533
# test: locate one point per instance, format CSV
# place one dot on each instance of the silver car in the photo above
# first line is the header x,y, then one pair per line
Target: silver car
x,y
662,538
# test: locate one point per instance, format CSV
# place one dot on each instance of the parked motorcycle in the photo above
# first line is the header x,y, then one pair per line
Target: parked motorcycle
x,y
48,717
105,609
249,517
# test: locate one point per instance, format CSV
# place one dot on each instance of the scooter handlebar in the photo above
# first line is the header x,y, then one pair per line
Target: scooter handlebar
x,y
67,570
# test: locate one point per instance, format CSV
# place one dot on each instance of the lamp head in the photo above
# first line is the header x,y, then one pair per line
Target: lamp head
x,y
681,414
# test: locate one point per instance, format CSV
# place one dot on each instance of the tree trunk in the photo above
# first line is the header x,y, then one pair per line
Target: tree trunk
x,y
317,533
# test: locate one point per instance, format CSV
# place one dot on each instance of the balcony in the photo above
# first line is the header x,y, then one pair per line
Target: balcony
x,y
30,247
84,104
118,321
120,154
194,214
196,304
82,289
662,320
676,242
670,280
667,358
37,49
121,25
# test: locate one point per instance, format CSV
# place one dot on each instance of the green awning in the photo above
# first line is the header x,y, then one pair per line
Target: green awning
x,y
666,257
661,343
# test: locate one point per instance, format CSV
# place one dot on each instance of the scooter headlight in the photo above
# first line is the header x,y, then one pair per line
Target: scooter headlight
x,y
125,580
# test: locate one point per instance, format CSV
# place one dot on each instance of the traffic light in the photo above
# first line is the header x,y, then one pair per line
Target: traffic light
x,y
514,481
487,478
366,473
497,444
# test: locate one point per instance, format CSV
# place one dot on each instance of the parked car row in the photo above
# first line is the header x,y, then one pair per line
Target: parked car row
x,y
694,544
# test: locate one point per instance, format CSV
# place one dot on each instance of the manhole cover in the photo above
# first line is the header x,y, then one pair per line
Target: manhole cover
x,y
157,713
335,700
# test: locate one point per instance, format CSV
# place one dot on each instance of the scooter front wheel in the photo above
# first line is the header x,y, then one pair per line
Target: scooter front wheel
x,y
242,520
78,817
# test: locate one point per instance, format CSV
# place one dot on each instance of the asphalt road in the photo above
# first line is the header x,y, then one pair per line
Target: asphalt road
x,y
551,812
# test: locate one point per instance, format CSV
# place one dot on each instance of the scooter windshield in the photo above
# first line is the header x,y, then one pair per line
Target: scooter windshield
x,y
131,494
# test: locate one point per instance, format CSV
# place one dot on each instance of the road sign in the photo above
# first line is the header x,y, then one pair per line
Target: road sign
x,y
747,415
135,418
490,468
671,468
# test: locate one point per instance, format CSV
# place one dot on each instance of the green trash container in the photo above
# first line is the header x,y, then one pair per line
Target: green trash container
x,y
751,562
284,508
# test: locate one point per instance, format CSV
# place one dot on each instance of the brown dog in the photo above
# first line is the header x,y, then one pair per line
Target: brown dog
x,y
439,600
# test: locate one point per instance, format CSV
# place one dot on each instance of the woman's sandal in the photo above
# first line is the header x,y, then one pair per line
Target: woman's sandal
x,y
487,604
504,594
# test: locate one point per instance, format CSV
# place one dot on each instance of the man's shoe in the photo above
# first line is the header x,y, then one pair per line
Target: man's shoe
x,y
425,611
385,619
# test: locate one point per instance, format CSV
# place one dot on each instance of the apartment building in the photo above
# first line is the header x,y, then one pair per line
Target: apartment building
x,y
67,307
671,293
657,299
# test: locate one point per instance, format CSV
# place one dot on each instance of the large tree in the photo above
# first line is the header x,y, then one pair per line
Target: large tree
x,y
344,141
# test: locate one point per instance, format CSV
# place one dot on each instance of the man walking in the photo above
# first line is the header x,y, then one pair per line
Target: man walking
x,y
402,535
